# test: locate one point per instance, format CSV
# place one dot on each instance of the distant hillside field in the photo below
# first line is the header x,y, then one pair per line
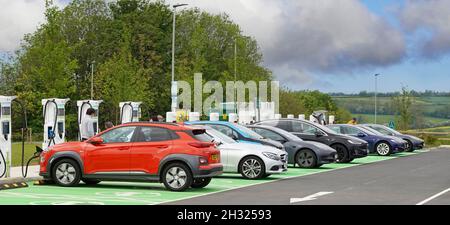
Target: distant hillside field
x,y
436,110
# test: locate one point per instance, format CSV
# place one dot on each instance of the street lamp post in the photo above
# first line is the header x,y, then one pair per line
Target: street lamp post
x,y
235,75
174,104
92,79
376,93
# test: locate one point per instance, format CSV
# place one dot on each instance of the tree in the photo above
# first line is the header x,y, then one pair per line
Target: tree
x,y
403,104
121,79
45,67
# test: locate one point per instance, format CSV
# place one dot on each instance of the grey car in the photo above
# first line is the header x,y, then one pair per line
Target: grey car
x,y
305,154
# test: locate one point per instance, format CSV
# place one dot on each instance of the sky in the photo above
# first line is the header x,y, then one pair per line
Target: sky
x,y
326,45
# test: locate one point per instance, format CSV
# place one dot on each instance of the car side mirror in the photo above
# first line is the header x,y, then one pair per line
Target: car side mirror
x,y
318,134
96,141
361,135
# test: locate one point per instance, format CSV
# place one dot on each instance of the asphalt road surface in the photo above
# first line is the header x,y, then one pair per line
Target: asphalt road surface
x,y
417,179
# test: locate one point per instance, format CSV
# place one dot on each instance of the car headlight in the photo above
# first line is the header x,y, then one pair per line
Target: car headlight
x,y
354,142
271,155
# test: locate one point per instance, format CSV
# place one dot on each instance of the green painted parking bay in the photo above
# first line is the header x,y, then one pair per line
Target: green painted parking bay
x,y
121,193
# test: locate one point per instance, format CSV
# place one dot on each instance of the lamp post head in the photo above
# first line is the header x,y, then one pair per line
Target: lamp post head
x,y
178,5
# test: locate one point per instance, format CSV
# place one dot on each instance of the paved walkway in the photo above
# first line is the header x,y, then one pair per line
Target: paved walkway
x,y
33,172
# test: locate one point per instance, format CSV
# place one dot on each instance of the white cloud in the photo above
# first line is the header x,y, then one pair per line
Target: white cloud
x,y
430,20
314,35
17,18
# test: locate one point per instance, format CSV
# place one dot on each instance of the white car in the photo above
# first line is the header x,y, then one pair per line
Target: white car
x,y
252,161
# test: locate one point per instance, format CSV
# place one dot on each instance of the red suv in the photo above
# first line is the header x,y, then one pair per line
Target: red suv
x,y
178,156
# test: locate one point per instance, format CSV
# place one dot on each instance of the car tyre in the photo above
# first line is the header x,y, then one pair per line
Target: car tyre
x,y
90,181
201,182
410,146
342,153
177,177
306,158
252,168
66,173
383,149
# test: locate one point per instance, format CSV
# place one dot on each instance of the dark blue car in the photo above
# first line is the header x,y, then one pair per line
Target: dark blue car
x,y
413,142
381,144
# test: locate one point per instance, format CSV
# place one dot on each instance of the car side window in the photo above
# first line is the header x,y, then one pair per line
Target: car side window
x,y
304,128
351,130
336,129
381,130
225,130
153,134
269,134
119,135
285,125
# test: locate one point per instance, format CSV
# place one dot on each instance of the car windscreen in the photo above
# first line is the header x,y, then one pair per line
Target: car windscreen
x,y
219,136
390,129
249,132
288,135
324,128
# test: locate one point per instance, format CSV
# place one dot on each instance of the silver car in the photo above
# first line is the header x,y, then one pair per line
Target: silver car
x,y
252,161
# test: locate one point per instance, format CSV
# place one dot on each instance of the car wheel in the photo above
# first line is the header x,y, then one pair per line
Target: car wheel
x,y
409,146
90,181
383,149
306,159
201,182
252,168
342,153
66,173
177,177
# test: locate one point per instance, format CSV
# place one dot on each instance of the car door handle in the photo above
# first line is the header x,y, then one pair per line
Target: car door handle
x,y
124,148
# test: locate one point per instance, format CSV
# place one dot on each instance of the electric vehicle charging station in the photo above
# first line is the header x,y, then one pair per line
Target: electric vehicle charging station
x,y
5,135
194,116
214,117
171,117
83,106
232,117
54,121
130,112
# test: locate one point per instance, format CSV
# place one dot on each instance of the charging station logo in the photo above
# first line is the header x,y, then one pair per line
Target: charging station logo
x,y
245,96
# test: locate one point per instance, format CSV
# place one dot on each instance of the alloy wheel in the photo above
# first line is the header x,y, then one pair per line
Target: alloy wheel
x,y
306,159
251,168
65,173
383,149
176,177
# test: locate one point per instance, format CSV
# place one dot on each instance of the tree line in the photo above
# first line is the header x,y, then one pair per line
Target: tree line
x,y
127,46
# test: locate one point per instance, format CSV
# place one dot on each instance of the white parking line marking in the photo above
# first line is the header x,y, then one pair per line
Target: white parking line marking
x,y
433,197
311,197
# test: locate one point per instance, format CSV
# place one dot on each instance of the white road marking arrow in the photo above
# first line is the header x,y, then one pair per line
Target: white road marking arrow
x,y
311,197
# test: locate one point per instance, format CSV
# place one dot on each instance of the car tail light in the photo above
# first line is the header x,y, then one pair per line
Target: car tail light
x,y
201,144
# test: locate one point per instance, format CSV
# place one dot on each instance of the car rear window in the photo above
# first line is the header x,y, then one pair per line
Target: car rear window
x,y
201,135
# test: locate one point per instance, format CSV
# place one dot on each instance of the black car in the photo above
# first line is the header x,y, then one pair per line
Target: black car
x,y
348,148
306,154
414,143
